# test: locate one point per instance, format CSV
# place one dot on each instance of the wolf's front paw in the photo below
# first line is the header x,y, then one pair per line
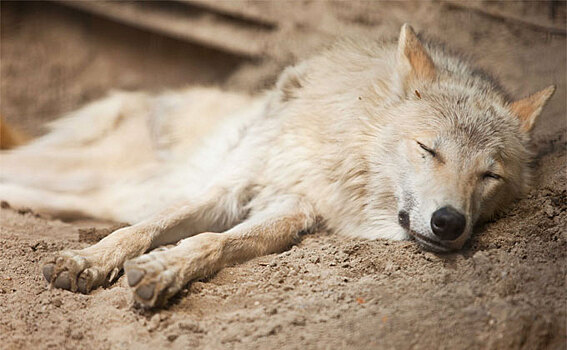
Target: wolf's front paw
x,y
155,277
77,271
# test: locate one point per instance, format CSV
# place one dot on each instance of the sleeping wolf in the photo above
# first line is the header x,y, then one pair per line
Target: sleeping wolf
x,y
398,140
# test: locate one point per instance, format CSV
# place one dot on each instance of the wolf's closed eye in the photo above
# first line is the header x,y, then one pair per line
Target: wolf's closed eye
x,y
491,175
427,149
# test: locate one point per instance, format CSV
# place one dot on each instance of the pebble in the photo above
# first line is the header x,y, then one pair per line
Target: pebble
x,y
154,322
190,326
550,211
77,335
298,321
24,211
57,302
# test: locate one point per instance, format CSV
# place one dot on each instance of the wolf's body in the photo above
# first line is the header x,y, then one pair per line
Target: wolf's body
x,y
374,140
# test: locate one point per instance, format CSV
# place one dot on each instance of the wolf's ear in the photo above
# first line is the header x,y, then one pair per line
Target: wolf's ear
x,y
529,108
291,80
413,60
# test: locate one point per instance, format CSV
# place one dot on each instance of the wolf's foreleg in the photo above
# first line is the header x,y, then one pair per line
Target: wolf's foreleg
x,y
157,276
85,269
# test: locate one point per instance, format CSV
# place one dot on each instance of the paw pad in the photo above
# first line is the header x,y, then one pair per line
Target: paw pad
x,y
134,276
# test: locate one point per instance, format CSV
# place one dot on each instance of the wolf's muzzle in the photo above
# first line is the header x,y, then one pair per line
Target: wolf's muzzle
x,y
448,224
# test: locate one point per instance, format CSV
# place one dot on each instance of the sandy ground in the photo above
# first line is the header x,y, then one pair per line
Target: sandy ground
x,y
505,290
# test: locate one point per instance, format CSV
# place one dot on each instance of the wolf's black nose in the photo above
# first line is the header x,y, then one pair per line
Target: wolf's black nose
x,y
447,223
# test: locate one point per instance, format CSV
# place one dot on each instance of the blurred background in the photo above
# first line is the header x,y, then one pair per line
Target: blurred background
x,y
58,55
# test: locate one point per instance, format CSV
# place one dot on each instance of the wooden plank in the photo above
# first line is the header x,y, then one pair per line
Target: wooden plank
x,y
505,17
249,11
185,23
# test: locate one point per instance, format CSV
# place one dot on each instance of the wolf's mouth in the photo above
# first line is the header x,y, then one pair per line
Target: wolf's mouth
x,y
428,243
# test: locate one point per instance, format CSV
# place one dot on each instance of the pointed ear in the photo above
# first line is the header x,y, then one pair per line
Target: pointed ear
x,y
529,108
291,80
413,60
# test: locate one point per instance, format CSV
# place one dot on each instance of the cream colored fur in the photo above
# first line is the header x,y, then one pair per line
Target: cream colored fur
x,y
338,142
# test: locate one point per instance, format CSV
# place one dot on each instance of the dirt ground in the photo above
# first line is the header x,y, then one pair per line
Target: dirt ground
x,y
505,290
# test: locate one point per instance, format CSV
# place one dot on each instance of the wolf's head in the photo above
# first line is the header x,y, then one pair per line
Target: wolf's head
x,y
460,149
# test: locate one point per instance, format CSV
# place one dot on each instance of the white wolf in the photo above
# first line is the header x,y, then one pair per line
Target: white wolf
x,y
371,139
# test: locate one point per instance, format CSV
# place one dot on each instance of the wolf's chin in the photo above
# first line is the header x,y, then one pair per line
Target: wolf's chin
x,y
428,243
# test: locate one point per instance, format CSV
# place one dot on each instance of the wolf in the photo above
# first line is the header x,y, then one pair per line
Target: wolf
x,y
371,139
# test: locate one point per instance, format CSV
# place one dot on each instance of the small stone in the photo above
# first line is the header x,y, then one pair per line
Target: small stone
x,y
172,337
154,322
550,211
77,335
57,302
190,326
276,329
24,211
298,321
481,259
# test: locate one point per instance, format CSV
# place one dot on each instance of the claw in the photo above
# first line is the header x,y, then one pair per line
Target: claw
x,y
76,273
112,275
